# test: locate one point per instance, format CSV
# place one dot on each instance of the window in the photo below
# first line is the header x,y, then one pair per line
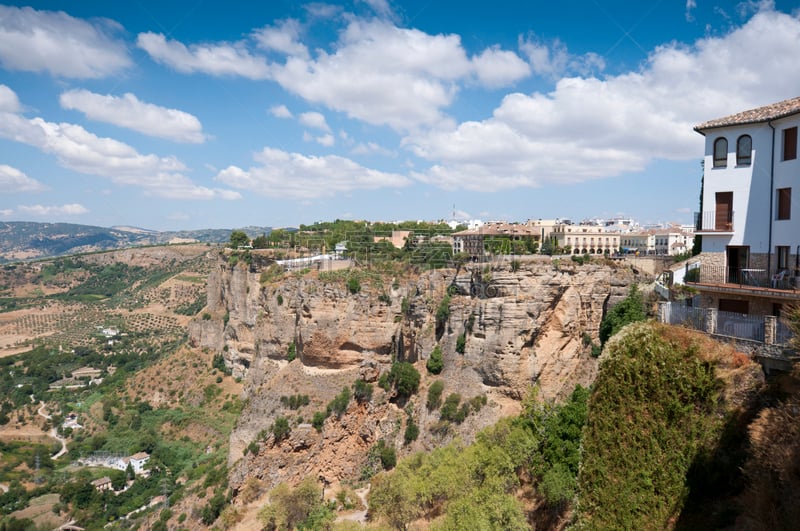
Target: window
x,y
783,256
790,143
743,148
784,203
720,153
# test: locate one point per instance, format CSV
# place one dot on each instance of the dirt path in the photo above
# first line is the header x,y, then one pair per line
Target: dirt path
x,y
358,516
53,432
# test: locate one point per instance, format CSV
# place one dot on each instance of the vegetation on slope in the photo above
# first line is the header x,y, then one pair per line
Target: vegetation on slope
x,y
655,413
476,486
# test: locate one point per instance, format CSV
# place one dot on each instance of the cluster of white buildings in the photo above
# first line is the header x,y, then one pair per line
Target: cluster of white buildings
x,y
594,237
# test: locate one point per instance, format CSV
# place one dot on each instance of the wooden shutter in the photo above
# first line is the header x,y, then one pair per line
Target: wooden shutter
x,y
790,143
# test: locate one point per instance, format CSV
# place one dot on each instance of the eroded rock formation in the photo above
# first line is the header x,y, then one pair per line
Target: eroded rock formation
x,y
534,331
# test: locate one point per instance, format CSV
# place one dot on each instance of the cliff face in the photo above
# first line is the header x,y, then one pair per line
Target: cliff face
x,y
532,331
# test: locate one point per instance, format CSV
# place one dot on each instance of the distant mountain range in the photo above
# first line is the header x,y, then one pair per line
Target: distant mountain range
x,y
22,240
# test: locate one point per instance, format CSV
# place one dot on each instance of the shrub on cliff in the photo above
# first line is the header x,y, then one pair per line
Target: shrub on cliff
x,y
653,412
629,310
435,363
405,379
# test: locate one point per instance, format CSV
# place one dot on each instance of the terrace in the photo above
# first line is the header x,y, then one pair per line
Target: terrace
x,y
754,282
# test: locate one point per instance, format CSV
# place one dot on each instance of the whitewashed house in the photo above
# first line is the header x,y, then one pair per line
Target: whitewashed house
x,y
750,219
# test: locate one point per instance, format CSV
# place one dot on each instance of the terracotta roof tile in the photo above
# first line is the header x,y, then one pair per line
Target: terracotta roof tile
x,y
753,116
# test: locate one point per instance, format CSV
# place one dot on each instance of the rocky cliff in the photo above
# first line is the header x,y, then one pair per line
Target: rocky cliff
x,y
530,323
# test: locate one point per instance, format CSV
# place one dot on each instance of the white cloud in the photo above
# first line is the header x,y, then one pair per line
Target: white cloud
x,y
367,148
283,38
78,149
8,100
13,180
326,140
129,112
315,120
214,59
498,68
54,42
590,128
691,5
6,212
280,111
382,74
296,176
553,59
381,8
72,209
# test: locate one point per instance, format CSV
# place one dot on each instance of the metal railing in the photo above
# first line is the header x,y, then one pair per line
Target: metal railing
x,y
708,221
741,276
680,314
728,324
740,326
783,334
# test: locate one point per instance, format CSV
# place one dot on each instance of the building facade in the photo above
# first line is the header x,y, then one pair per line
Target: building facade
x,y
750,221
585,239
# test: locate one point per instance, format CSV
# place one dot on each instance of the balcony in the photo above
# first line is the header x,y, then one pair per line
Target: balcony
x,y
745,281
711,221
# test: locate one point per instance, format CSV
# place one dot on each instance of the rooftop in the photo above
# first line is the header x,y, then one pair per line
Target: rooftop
x,y
753,116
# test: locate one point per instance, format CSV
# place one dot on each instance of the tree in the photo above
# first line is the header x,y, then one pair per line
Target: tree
x,y
405,378
260,242
238,239
629,310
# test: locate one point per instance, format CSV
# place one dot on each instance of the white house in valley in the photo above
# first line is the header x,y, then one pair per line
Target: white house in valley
x,y
750,219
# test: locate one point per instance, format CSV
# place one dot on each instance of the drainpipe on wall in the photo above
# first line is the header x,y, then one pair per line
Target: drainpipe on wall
x,y
771,199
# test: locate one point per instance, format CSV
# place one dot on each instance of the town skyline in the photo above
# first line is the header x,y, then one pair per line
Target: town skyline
x,y
228,115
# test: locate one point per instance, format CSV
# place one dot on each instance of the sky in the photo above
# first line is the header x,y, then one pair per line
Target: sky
x,y
206,114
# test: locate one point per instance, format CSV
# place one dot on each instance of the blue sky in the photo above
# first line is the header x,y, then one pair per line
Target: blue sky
x,y
171,115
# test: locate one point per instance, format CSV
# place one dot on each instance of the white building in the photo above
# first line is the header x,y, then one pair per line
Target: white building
x,y
586,239
750,221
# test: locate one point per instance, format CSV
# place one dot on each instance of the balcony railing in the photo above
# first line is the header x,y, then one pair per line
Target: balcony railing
x,y
741,276
759,328
708,221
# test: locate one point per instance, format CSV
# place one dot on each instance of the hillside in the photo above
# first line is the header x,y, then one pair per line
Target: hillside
x,y
402,400
28,240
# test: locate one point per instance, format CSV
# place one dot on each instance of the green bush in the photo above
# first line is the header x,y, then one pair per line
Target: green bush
x,y
405,378
362,391
294,402
435,395
435,363
281,429
353,285
339,404
387,455
461,343
629,310
319,419
384,383
411,433
450,410
442,314
291,353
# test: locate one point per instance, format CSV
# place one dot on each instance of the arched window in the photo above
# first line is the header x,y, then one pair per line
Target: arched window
x,y
721,153
744,146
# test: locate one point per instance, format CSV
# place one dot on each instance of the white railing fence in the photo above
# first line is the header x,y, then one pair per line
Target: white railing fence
x,y
761,328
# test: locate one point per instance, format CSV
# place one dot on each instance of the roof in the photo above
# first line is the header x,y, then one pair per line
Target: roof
x,y
140,455
767,113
